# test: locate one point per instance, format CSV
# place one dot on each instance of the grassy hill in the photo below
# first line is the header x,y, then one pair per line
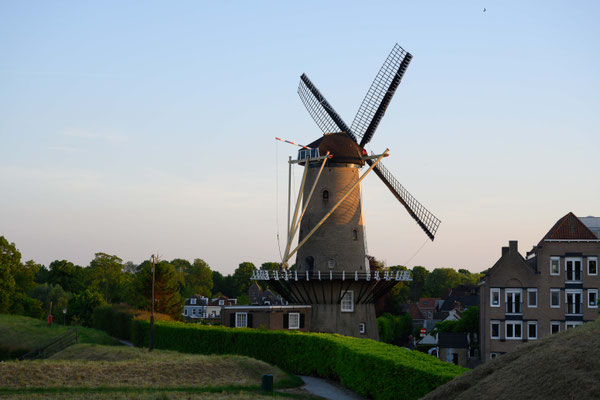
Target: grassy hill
x,y
18,335
563,366
106,372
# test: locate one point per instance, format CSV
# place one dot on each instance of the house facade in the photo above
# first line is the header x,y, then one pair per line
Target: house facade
x,y
195,307
555,287
294,317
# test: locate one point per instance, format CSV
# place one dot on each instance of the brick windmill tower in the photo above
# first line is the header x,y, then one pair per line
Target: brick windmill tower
x,y
332,271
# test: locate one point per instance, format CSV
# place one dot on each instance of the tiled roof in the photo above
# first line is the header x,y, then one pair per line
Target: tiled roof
x,y
414,312
569,227
427,302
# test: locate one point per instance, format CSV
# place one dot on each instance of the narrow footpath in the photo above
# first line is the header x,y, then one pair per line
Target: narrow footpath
x,y
328,390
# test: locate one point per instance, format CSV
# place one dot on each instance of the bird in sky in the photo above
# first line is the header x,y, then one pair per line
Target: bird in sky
x,y
484,9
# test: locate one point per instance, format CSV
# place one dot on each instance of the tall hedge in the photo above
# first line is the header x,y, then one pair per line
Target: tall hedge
x,y
371,368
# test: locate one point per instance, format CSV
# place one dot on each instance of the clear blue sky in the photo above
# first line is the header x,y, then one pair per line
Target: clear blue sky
x,y
138,127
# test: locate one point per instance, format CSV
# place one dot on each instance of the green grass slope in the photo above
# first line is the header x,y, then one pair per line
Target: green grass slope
x,y
97,371
563,366
18,335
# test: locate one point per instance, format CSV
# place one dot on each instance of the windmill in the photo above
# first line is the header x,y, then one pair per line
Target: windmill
x,y
332,271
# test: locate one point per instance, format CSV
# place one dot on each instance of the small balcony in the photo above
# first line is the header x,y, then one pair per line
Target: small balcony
x,y
514,307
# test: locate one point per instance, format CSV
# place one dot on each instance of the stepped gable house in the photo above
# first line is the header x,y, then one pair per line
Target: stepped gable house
x,y
555,287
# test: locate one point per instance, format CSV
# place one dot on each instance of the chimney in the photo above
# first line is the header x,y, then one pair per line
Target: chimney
x,y
504,251
512,245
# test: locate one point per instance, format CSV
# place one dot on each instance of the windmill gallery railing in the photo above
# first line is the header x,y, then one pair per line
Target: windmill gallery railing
x,y
285,275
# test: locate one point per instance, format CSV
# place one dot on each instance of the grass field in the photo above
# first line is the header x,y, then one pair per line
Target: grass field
x,y
18,335
562,366
94,370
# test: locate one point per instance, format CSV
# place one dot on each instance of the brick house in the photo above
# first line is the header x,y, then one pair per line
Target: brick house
x,y
296,317
214,307
554,288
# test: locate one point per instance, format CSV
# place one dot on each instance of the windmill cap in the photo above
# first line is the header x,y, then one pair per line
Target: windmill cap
x,y
343,148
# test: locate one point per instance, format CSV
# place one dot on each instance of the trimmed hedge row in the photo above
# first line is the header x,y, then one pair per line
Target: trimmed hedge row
x,y
117,319
371,368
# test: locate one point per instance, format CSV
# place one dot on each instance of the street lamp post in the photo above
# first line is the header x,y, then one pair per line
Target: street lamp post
x,y
152,310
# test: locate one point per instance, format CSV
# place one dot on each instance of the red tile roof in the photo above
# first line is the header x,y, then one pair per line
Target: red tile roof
x,y
427,302
414,312
571,228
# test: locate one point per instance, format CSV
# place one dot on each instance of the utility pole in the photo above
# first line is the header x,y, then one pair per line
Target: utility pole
x,y
152,310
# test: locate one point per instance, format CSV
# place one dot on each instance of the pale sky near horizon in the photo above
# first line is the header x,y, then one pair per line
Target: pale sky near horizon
x,y
145,126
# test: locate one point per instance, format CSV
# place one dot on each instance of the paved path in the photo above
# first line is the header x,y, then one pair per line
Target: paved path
x,y
328,390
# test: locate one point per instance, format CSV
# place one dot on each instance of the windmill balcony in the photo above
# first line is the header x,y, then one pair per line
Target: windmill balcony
x,y
262,275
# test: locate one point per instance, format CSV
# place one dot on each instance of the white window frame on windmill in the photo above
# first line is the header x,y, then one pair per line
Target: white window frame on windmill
x,y
308,153
347,302
331,263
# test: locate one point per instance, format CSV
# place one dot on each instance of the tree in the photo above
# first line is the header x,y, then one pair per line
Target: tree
x,y
24,276
242,276
47,293
398,295
198,279
166,288
10,259
441,279
82,305
223,285
69,276
105,274
468,278
417,285
270,266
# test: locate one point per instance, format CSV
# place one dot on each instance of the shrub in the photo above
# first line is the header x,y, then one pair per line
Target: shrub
x,y
394,329
371,368
116,319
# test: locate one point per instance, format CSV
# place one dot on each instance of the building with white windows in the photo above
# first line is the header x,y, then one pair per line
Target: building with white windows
x,y
555,287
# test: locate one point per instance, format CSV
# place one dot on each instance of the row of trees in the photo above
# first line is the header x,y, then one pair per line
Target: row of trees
x,y
29,288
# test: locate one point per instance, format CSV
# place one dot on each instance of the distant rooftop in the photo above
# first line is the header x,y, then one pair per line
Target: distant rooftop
x,y
593,223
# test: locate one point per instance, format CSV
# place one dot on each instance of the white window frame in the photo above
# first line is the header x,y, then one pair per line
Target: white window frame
x,y
572,324
221,302
557,259
532,323
573,260
194,311
512,293
294,320
192,301
185,311
492,323
534,290
241,319
513,323
590,291
554,323
362,327
552,291
493,355
573,292
492,292
595,259
347,302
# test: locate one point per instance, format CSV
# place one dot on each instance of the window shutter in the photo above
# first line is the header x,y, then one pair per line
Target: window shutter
x,y
249,320
301,321
286,321
232,320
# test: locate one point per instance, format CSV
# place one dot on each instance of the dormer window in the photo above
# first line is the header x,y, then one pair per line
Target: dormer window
x,y
192,301
221,302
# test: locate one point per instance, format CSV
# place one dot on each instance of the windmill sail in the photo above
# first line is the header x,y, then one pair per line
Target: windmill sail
x,y
320,110
426,220
380,94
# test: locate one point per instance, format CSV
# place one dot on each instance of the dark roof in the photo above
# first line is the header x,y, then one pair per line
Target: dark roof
x,y
343,148
200,301
569,227
465,302
453,339
427,302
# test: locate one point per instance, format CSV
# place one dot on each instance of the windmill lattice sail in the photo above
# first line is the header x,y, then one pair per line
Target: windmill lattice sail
x,y
320,110
380,94
426,220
